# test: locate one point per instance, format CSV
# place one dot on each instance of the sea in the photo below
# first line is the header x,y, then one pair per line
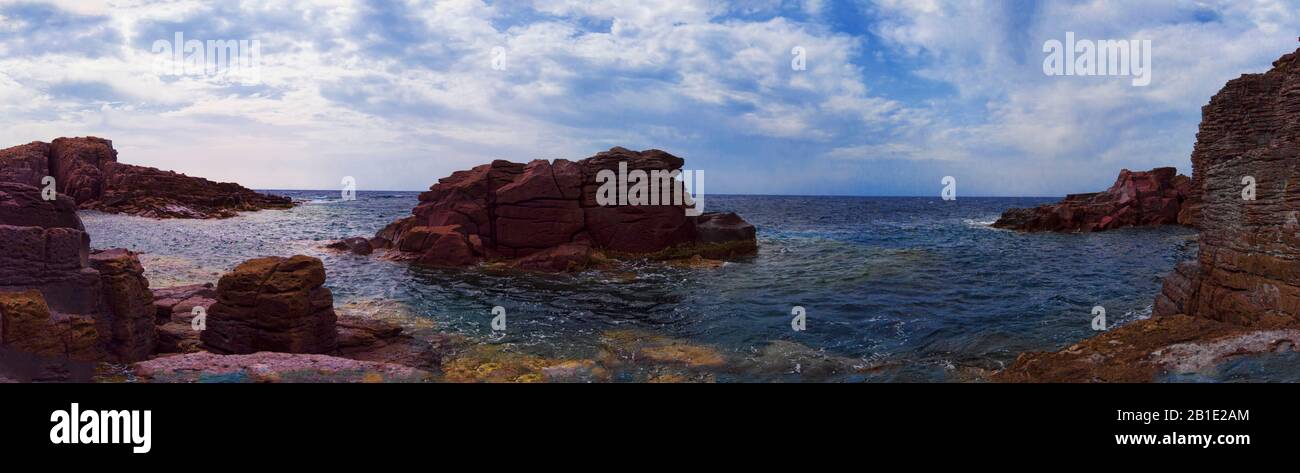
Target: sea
x,y
890,289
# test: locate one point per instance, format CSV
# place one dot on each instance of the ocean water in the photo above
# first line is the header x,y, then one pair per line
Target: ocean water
x,y
895,289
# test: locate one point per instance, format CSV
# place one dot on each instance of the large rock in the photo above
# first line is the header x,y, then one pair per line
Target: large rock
x,y
1248,268
130,316
46,249
87,170
26,325
272,304
545,216
1153,197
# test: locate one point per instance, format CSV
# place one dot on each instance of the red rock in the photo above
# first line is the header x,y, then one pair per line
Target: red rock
x,y
129,321
268,367
272,304
544,215
27,164
1136,199
87,170
354,245
26,325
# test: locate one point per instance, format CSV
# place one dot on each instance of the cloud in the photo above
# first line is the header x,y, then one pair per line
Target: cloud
x,y
399,93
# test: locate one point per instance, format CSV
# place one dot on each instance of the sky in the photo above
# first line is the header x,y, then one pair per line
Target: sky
x,y
893,95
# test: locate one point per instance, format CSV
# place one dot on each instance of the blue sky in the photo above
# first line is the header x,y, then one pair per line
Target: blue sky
x,y
896,95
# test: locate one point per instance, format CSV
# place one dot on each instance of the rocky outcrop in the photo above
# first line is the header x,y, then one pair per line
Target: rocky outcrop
x,y
28,326
546,216
272,304
1153,197
46,249
87,170
1242,294
1248,267
354,245
268,367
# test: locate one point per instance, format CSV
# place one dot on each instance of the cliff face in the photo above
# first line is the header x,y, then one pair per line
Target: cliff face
x,y
1242,294
1153,197
87,170
1248,268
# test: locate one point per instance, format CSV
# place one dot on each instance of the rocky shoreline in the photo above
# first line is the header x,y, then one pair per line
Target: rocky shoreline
x,y
1242,295
70,313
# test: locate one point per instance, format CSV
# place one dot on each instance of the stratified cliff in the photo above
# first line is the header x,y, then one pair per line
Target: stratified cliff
x,y
1242,294
87,170
1249,263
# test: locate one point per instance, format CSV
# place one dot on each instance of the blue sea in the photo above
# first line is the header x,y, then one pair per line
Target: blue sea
x,y
895,289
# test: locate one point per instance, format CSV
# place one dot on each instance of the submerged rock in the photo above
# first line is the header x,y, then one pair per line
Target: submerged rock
x,y
1146,198
545,216
87,170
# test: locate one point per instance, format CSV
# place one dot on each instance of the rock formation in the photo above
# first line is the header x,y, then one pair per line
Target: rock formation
x,y
272,304
27,326
1242,294
1139,198
545,216
174,310
46,249
1248,267
87,170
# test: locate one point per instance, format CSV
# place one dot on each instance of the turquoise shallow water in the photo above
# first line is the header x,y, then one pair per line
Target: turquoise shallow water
x,y
917,288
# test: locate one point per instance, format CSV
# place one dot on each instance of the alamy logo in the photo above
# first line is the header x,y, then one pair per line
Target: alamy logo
x,y
233,60
1108,57
656,187
102,427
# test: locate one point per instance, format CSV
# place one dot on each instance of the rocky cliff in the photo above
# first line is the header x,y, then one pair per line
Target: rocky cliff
x,y
87,170
1242,294
546,216
47,263
1141,198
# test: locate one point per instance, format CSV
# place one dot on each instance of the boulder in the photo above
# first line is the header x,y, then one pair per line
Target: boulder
x,y
129,321
272,304
354,245
1141,198
26,325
